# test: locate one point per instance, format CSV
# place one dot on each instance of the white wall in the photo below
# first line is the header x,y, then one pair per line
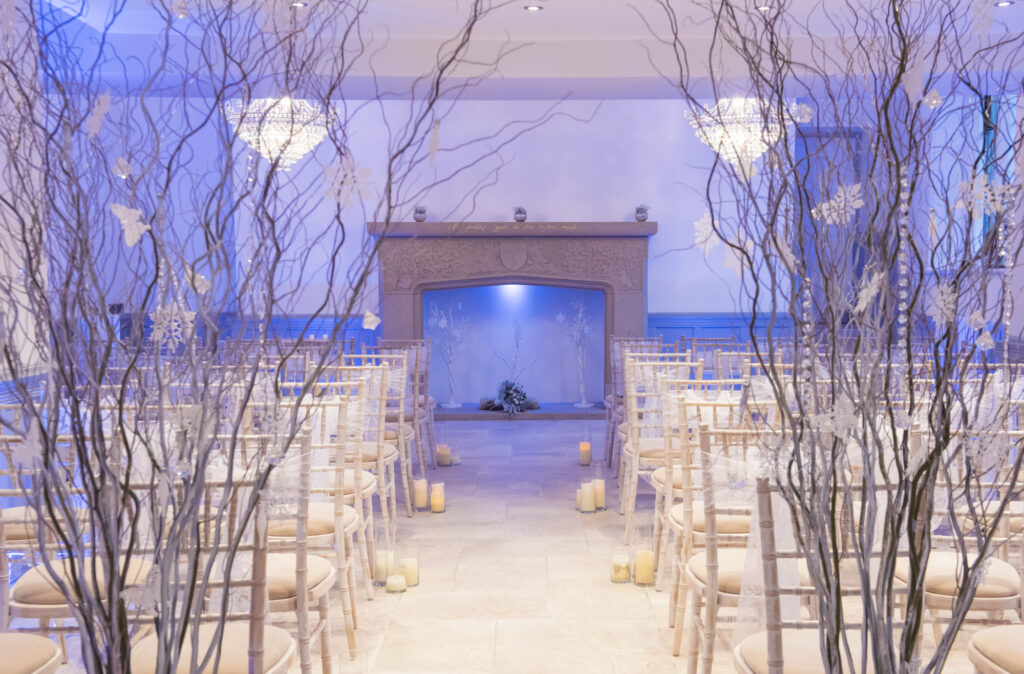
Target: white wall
x,y
630,152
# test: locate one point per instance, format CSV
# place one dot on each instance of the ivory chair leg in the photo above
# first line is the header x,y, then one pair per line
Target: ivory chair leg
x,y
62,640
677,583
367,549
431,445
707,645
348,586
326,655
936,624
659,500
693,629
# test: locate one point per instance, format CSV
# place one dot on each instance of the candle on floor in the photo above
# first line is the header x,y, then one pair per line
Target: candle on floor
x,y
384,564
437,497
587,498
599,501
419,493
395,583
644,568
411,569
620,564
584,453
444,455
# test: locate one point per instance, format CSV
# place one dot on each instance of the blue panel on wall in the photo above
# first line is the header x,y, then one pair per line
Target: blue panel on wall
x,y
673,326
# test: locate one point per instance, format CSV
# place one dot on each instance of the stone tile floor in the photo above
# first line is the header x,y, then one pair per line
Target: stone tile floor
x,y
513,579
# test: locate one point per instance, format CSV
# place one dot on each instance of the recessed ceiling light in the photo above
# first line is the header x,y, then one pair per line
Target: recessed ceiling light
x,y
1004,3
533,8
298,4
763,8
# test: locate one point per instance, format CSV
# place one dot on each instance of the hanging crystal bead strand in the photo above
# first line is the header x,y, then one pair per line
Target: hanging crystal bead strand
x,y
903,282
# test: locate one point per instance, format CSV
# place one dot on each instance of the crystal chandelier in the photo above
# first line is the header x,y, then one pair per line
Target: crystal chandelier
x,y
281,129
739,129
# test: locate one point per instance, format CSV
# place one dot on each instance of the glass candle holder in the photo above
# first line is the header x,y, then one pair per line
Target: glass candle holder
x,y
437,497
643,562
600,486
395,583
409,565
620,564
420,494
444,455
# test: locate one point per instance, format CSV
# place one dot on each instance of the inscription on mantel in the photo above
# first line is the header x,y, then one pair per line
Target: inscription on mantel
x,y
496,229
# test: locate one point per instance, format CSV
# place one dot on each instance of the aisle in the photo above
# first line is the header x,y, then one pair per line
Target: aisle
x,y
513,578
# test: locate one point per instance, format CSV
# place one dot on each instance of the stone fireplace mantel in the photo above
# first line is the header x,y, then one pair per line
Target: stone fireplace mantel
x,y
609,256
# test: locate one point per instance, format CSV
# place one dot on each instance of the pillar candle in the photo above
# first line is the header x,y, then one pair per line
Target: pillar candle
x,y
644,567
587,497
584,453
444,455
384,564
437,497
419,493
411,569
395,583
620,568
599,501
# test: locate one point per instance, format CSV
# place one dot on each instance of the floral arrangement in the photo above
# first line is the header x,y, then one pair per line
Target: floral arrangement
x,y
511,399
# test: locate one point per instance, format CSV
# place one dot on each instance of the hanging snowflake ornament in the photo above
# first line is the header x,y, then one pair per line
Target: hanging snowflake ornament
x,y
803,113
370,321
172,324
179,10
982,19
122,168
913,81
704,233
131,222
868,292
976,321
94,122
346,182
839,210
198,282
786,253
985,341
932,99
942,308
980,197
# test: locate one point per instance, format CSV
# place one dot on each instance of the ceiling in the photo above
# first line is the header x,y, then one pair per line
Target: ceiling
x,y
589,48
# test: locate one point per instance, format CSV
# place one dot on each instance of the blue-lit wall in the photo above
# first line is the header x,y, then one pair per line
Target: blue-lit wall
x,y
485,318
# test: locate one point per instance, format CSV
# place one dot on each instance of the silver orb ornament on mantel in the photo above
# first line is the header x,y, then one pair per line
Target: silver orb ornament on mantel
x,y
641,213
419,214
519,214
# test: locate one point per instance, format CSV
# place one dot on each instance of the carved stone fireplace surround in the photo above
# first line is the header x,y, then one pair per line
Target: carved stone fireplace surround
x,y
608,256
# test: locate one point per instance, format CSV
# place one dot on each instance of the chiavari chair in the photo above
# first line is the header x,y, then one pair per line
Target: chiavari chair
x,y
614,402
396,428
232,607
422,403
644,448
790,643
378,456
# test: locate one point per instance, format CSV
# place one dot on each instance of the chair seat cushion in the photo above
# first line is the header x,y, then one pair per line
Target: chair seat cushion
x,y
800,652
20,522
27,653
941,576
319,523
732,562
388,453
725,524
37,587
281,574
391,433
650,448
368,482
278,649
998,649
